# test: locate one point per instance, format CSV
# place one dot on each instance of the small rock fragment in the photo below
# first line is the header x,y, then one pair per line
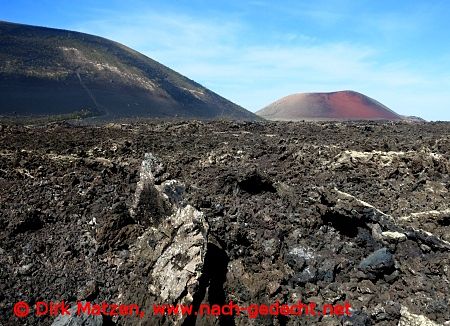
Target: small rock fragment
x,y
377,263
309,274
393,236
89,291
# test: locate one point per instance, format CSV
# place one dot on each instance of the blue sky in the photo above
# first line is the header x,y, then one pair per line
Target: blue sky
x,y
254,52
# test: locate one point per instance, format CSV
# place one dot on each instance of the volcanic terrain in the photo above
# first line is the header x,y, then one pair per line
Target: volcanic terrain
x,y
193,212
344,105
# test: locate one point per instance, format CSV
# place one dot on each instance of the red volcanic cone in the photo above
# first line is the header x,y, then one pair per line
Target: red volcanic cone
x,y
344,105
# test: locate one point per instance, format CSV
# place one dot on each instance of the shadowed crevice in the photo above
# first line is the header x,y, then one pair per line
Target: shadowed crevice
x,y
212,285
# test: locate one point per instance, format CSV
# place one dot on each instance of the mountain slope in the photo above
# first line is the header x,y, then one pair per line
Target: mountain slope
x,y
46,71
343,105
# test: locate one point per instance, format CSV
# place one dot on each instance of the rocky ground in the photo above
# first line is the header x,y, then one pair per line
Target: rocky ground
x,y
192,212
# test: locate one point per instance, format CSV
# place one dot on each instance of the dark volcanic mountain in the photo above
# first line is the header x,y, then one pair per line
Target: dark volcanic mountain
x,y
46,71
344,105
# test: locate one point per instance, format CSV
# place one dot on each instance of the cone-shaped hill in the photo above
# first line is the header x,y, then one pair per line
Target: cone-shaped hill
x,y
45,71
343,105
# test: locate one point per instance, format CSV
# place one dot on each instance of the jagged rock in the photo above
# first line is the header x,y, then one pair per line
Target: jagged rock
x,y
377,263
308,275
89,291
26,269
179,266
366,287
357,318
173,246
149,205
173,191
75,319
326,271
387,311
364,214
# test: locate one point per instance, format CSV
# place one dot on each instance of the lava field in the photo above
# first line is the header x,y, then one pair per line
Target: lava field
x,y
191,212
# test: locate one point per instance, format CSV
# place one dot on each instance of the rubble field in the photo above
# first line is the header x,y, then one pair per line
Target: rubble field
x,y
191,212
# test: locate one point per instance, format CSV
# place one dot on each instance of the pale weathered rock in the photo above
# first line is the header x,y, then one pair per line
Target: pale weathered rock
x,y
75,319
180,264
393,236
174,245
409,319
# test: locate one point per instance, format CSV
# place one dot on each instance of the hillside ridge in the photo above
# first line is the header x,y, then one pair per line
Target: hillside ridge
x,y
46,71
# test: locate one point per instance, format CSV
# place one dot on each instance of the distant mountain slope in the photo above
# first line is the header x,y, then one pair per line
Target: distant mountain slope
x,y
46,71
343,105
